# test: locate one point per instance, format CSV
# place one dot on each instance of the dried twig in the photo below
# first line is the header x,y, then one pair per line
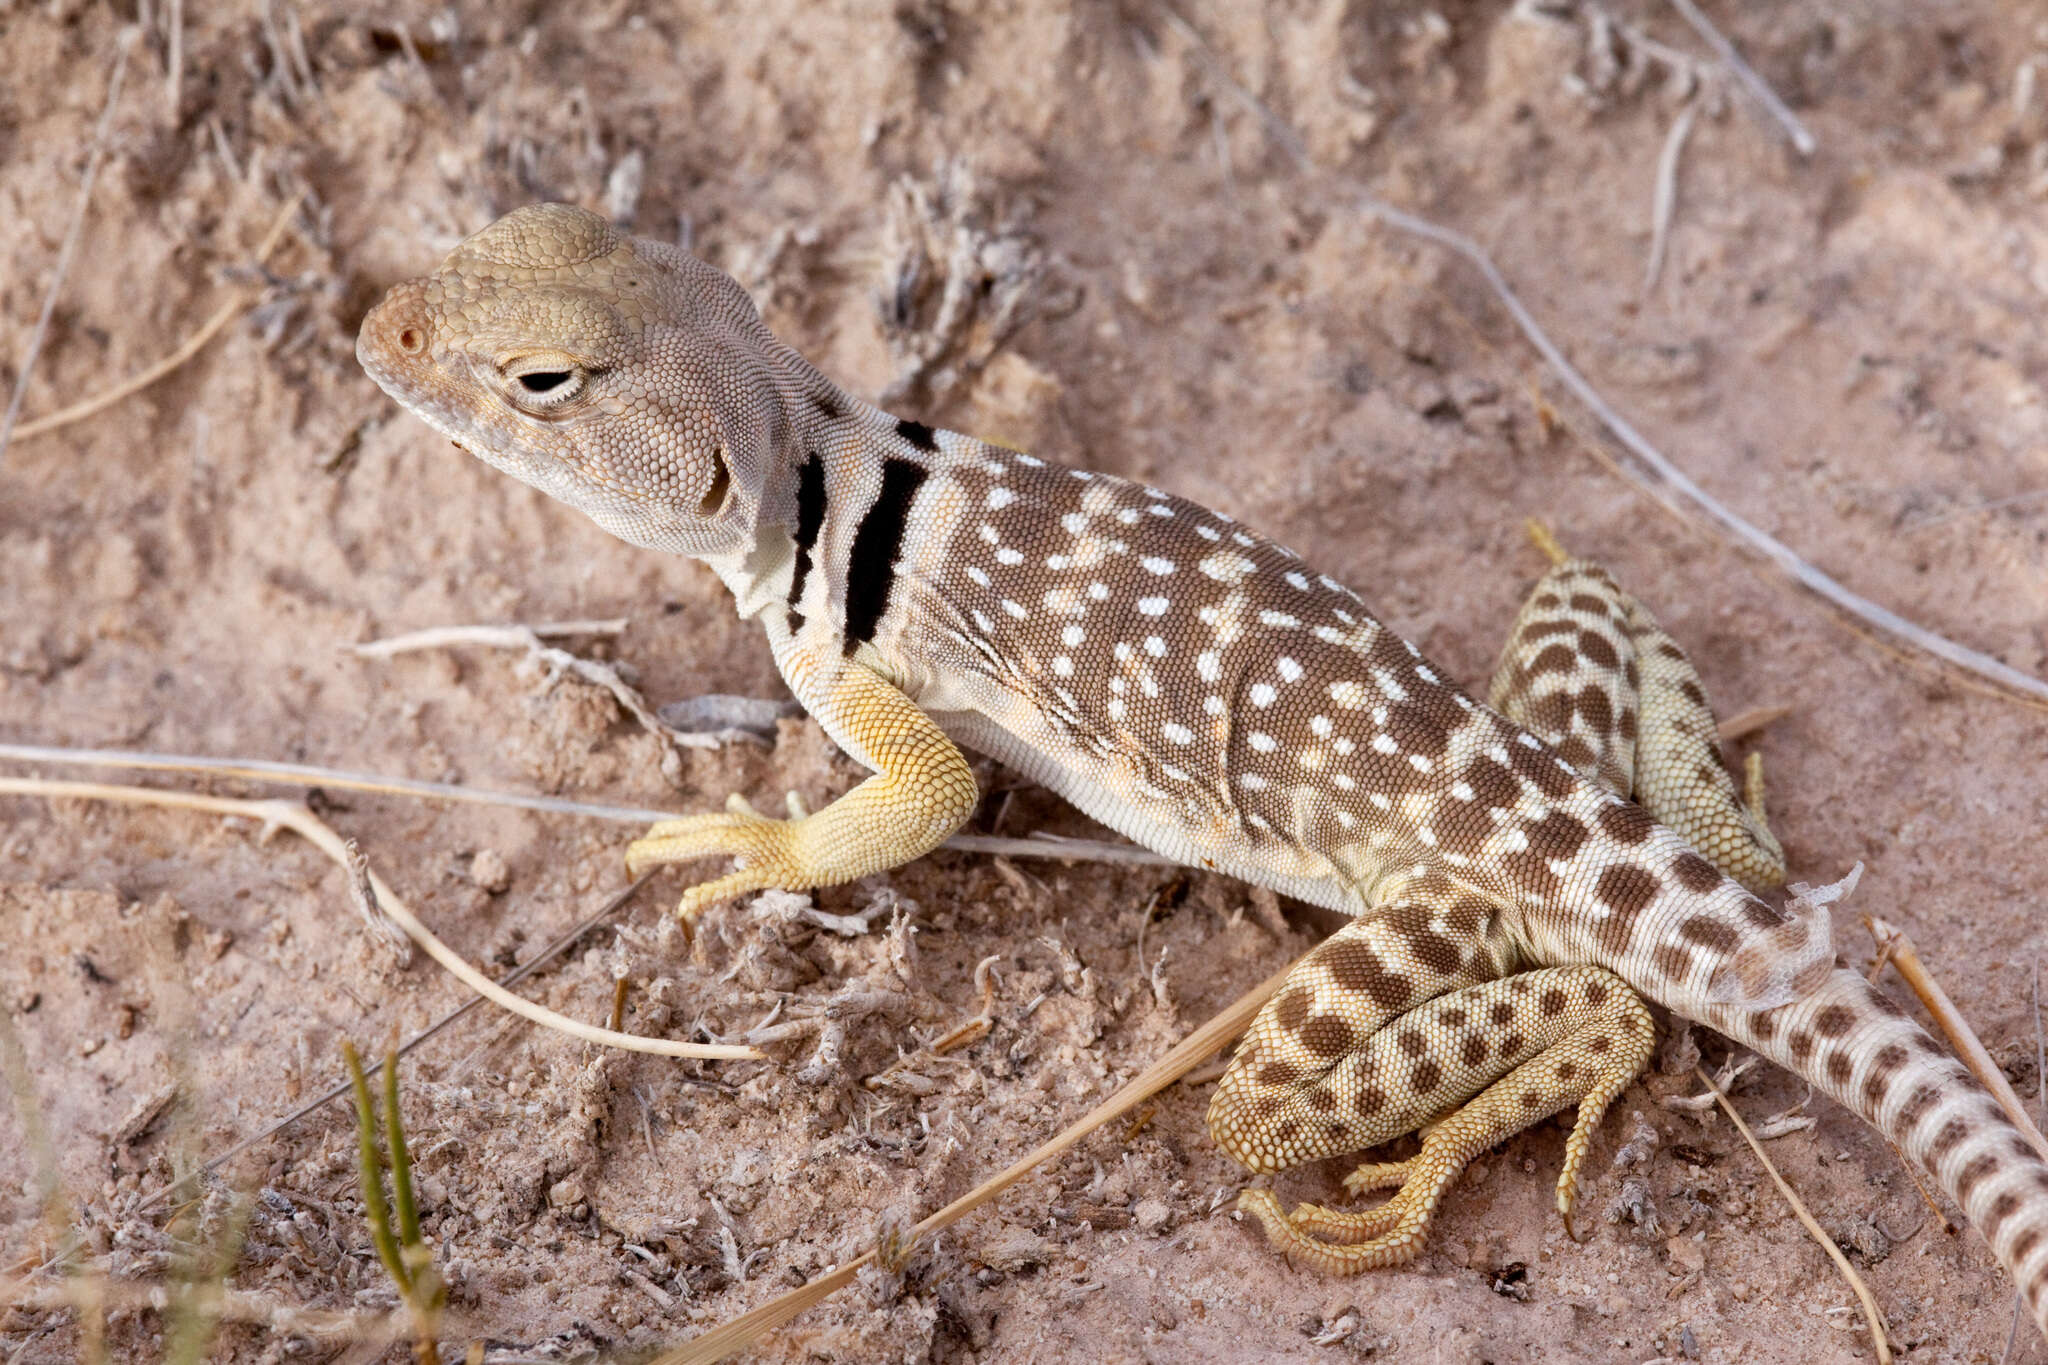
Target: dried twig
x,y
557,661
1795,131
1814,1229
1664,197
1750,721
1059,847
362,896
975,1029
174,55
1898,949
142,379
314,775
1051,846
301,821
122,44
750,1327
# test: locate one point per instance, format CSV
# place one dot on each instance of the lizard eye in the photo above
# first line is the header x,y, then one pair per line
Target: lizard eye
x,y
544,383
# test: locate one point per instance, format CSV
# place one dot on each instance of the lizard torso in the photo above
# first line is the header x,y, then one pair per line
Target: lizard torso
x,y
1180,678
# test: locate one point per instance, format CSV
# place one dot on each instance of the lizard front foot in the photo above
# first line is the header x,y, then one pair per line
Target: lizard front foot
x,y
768,851
921,791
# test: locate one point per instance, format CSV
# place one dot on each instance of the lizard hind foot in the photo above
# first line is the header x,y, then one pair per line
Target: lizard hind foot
x,y
1580,1038
1335,1242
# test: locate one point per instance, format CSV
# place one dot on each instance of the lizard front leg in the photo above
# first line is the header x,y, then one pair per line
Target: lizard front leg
x,y
922,790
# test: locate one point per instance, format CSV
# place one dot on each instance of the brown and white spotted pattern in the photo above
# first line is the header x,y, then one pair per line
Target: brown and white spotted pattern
x,y
1204,691
1505,1053
1588,670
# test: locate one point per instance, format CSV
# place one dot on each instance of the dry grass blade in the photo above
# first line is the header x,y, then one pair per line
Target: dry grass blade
x,y
1059,848
312,775
1750,721
1664,194
1049,846
1759,90
743,1331
122,45
1897,949
1814,1229
191,346
494,637
558,662
301,821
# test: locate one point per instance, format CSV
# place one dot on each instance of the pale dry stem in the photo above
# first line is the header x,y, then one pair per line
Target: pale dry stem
x,y
1898,950
1806,1219
1050,846
1759,89
191,346
69,249
743,1331
301,821
557,661
1664,193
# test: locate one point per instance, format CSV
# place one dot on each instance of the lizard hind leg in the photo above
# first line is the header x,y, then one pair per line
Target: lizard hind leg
x,y
1308,1081
1565,1036
1588,670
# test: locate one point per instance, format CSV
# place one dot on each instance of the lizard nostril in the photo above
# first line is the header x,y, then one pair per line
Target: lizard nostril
x,y
411,340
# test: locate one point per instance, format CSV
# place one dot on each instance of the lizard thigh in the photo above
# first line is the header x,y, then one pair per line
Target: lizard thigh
x,y
1478,1065
1295,1089
1588,670
1422,1064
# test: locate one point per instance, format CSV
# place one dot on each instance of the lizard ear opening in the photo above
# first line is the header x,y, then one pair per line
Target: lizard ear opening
x,y
713,501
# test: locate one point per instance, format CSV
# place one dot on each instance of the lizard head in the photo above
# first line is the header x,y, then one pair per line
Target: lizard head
x,y
620,375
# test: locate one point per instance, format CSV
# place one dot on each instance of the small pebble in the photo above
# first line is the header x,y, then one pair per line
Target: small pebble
x,y
489,871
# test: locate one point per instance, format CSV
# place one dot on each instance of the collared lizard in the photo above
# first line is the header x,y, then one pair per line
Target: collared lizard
x,y
1202,690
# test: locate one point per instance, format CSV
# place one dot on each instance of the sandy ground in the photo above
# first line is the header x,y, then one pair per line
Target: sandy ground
x,y
1847,349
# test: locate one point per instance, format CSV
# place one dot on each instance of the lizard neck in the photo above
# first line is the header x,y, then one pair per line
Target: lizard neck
x,y
843,510
757,577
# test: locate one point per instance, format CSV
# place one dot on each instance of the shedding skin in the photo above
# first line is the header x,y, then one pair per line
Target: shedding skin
x,y
1199,688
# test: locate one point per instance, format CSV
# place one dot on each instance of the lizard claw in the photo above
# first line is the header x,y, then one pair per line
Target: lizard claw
x,y
764,849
